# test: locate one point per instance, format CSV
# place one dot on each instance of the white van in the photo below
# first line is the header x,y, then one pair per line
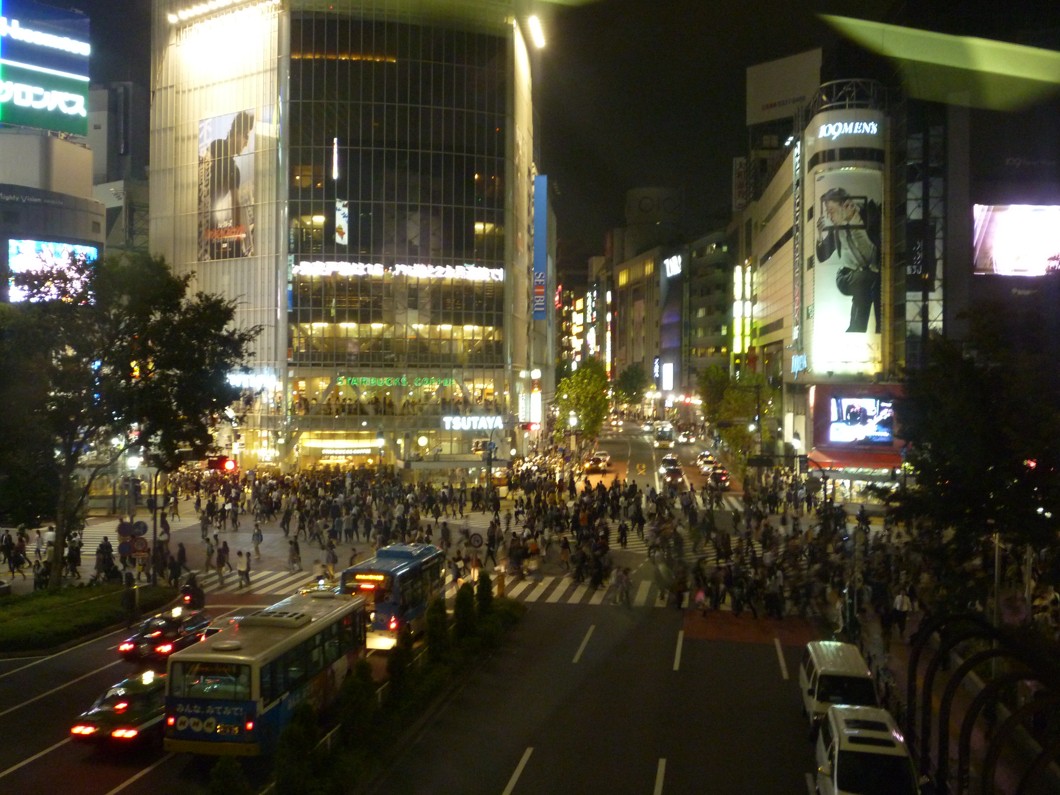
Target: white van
x,y
831,672
860,750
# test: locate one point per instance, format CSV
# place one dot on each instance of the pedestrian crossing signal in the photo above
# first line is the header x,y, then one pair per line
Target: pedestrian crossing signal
x,y
221,463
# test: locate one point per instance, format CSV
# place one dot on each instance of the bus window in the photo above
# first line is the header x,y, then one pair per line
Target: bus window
x,y
211,680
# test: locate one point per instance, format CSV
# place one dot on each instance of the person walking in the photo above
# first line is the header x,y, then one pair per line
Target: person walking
x,y
294,555
256,538
243,568
903,605
221,561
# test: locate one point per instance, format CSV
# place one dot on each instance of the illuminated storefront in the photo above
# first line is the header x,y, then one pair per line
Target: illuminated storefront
x,y
338,174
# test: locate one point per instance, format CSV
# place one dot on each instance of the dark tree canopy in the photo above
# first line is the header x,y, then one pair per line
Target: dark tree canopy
x,y
632,383
121,359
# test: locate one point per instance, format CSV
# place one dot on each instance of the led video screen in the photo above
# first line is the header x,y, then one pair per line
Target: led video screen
x,y
861,421
37,256
1016,239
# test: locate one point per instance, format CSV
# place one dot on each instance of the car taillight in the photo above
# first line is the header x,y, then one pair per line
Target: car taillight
x,y
126,646
165,648
124,734
393,625
121,706
186,599
83,730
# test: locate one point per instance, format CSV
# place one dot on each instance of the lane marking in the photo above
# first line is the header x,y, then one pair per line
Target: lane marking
x,y
780,658
141,774
677,652
61,687
585,642
518,771
36,756
660,775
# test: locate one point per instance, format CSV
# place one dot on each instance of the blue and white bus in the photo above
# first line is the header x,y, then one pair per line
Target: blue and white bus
x,y
664,435
397,585
234,692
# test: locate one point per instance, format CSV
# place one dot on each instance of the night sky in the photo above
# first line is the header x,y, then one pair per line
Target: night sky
x,y
628,93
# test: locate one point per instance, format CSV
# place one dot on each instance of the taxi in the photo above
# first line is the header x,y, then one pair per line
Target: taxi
x,y
161,635
128,713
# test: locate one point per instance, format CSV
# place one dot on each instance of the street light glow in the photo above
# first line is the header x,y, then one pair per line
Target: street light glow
x,y
537,33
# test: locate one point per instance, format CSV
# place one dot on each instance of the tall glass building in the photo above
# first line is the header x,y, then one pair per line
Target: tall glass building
x,y
358,175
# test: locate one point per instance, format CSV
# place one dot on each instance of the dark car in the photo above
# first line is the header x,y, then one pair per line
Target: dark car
x,y
674,476
161,635
128,713
720,477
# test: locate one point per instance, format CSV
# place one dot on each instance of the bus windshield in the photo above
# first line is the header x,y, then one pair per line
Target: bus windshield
x,y
228,681
374,586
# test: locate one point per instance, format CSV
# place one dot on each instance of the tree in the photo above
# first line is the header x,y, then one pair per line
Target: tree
x,y
982,427
632,383
733,405
129,362
583,394
712,385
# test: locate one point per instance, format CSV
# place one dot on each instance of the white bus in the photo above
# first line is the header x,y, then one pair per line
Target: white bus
x,y
664,435
234,692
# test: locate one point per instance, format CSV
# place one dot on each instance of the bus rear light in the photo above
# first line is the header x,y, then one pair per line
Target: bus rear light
x,y
249,725
84,730
165,648
393,625
171,720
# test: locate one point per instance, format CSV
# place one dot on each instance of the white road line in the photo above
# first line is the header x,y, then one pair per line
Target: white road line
x,y
518,772
585,642
518,588
643,591
578,595
48,657
660,776
141,774
780,658
558,593
598,596
36,756
677,651
540,589
60,687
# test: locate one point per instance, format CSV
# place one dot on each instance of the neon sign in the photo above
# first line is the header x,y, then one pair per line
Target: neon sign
x,y
416,270
835,129
672,265
473,423
12,28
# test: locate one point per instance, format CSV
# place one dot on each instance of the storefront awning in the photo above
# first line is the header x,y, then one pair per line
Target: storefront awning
x,y
855,459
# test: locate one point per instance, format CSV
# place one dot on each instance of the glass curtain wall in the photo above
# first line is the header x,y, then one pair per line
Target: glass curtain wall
x,y
396,175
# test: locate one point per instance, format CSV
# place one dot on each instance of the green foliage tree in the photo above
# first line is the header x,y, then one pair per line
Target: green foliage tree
x,y
439,642
126,361
584,393
228,778
982,425
399,664
731,406
631,384
712,385
484,595
464,612
295,751
357,704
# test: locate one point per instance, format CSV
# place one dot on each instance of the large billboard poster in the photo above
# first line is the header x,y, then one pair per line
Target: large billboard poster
x,y
43,257
226,186
847,320
44,53
1016,239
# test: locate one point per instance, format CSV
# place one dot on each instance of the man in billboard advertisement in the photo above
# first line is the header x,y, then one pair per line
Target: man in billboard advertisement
x,y
226,186
847,312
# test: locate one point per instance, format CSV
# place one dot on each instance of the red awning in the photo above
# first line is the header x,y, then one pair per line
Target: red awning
x,y
855,458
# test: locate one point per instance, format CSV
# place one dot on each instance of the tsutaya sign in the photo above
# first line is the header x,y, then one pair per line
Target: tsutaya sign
x,y
415,270
473,423
837,128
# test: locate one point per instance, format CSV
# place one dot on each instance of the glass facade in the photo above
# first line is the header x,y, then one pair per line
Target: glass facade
x,y
388,163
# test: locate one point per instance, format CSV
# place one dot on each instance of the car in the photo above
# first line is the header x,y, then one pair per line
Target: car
x,y
669,461
686,437
596,463
673,476
606,456
161,635
861,749
720,478
129,713
706,457
616,422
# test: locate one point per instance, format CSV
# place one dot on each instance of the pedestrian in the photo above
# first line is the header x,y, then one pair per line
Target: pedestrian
x,y
129,601
243,568
221,562
174,571
331,558
294,556
257,537
182,557
903,605
211,548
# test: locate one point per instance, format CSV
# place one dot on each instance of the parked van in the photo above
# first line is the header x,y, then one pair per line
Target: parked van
x,y
834,673
860,750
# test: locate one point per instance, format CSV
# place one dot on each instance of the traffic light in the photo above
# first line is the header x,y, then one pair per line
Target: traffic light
x,y
221,463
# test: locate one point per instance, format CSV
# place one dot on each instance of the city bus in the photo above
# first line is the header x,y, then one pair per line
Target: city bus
x,y
397,585
234,692
664,435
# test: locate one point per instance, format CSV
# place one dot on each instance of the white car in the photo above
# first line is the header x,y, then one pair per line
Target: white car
x,y
603,454
686,437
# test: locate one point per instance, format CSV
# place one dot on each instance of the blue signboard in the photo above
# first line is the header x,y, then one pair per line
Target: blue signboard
x,y
540,286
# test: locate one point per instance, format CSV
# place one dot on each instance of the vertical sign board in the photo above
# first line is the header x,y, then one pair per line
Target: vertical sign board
x,y
540,285
44,54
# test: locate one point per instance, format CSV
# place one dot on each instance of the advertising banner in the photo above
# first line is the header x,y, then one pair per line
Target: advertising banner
x,y
847,320
1015,239
226,186
44,53
540,254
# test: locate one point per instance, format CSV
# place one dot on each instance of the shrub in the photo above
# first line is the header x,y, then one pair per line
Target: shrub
x,y
484,595
357,703
294,752
398,664
464,613
439,643
227,778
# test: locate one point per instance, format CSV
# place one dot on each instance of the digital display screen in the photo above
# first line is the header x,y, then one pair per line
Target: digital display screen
x,y
861,421
1016,239
42,256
